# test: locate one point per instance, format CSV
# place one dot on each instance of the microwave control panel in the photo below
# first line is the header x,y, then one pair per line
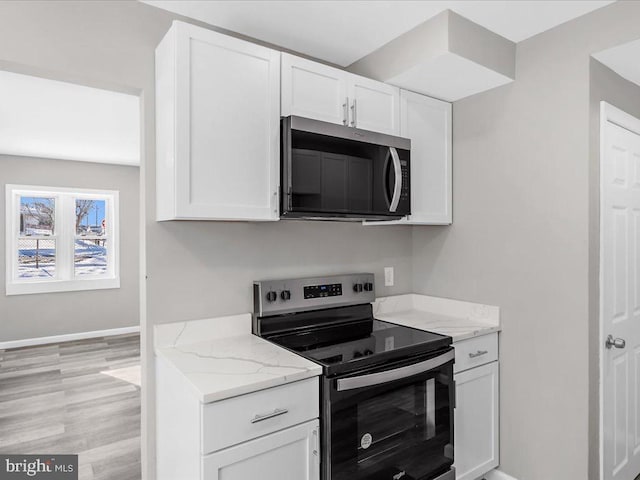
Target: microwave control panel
x,y
405,180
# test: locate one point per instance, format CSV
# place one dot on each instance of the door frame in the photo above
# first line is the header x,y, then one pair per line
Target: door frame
x,y
608,114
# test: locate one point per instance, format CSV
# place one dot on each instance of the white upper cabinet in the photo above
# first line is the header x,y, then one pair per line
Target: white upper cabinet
x,y
217,127
374,106
314,90
427,122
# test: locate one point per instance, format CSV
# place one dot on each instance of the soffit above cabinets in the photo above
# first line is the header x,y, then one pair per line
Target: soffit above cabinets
x,y
342,32
447,57
623,59
51,119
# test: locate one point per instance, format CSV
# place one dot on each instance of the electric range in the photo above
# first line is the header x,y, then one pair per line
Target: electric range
x,y
387,391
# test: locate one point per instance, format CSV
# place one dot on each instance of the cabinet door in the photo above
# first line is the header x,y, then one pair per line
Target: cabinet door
x,y
427,122
226,125
292,453
313,90
374,106
476,422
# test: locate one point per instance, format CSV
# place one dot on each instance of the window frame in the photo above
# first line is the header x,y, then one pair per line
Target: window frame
x,y
64,233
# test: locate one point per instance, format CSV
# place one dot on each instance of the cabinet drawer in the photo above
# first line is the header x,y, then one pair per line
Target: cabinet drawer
x,y
235,420
475,352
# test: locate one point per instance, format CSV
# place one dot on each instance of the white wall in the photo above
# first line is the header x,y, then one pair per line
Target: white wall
x,y
520,239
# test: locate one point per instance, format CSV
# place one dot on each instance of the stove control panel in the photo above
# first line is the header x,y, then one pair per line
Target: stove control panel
x,y
271,297
320,291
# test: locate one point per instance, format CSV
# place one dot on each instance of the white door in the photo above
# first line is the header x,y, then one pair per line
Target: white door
x,y
476,421
374,105
227,121
313,90
288,454
620,293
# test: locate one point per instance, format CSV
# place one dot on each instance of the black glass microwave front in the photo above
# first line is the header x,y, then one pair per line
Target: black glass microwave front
x,y
389,424
334,171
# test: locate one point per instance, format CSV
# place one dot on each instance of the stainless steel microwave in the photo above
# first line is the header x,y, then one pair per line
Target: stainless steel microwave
x,y
335,172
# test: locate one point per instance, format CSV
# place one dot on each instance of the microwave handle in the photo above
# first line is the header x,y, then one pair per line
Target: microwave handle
x,y
397,189
371,379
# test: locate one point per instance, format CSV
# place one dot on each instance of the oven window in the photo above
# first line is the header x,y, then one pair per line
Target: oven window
x,y
398,433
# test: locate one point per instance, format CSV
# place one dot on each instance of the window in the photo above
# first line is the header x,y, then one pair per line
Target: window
x,y
61,239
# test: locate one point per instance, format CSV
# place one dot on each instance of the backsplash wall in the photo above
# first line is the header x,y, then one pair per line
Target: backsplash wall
x,y
205,269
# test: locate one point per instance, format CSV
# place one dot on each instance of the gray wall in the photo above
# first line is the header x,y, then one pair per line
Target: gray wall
x,y
605,85
520,239
42,315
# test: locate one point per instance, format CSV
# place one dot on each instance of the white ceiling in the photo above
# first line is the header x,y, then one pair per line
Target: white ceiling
x,y
344,31
623,60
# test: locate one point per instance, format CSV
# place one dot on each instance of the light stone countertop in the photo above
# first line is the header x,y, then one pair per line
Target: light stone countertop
x,y
228,366
457,319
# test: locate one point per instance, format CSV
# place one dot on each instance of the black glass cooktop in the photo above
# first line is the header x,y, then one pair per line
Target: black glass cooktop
x,y
349,338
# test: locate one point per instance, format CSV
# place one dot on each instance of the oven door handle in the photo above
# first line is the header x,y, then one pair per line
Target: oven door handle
x,y
371,379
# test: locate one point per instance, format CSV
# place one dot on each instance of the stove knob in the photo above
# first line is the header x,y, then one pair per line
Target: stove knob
x,y
357,354
368,352
368,286
285,295
357,287
272,296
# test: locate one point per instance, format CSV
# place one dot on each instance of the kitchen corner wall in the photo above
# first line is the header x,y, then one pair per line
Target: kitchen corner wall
x,y
521,239
48,314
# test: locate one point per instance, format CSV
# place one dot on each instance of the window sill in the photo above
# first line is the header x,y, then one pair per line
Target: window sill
x,y
49,286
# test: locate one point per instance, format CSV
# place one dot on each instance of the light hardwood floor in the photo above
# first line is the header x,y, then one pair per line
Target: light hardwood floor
x,y
59,398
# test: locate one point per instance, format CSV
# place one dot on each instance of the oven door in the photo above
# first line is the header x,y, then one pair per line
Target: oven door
x,y
391,423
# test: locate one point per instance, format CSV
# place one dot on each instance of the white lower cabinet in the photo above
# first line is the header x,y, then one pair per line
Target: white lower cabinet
x,y
270,434
292,453
476,435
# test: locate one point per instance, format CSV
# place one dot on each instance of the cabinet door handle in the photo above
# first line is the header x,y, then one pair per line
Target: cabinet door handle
x,y
276,413
315,442
345,111
353,113
479,353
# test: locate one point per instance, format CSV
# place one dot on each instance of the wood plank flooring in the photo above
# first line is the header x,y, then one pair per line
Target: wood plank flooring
x,y
71,398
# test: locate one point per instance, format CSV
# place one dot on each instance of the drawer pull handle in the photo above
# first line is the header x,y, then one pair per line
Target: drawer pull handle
x,y
276,413
479,353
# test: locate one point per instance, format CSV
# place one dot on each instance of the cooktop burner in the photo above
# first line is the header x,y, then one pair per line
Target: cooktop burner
x,y
360,341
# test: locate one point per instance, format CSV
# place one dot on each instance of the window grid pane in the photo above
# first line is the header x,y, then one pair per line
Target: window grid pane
x,y
90,256
37,216
91,217
36,258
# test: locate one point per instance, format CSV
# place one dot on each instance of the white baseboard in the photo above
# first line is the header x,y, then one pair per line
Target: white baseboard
x,y
27,342
497,475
